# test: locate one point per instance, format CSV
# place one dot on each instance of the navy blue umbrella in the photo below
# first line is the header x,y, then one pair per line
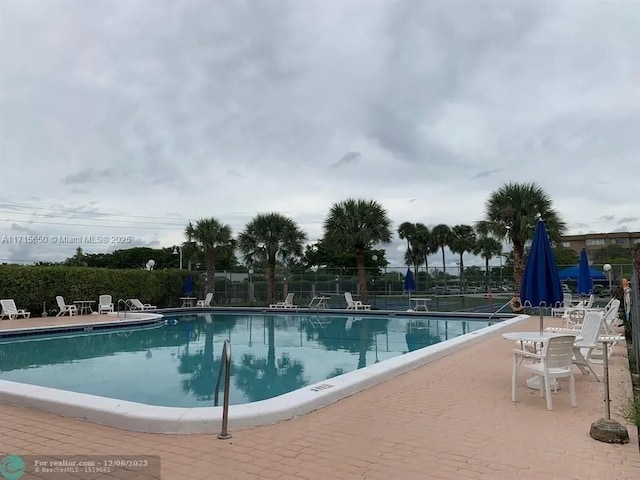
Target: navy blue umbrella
x,y
541,286
585,282
409,284
188,286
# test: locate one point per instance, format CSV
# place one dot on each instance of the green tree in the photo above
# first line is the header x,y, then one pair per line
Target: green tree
x,y
463,240
425,246
412,256
487,248
511,213
614,254
442,237
357,225
212,237
565,256
270,237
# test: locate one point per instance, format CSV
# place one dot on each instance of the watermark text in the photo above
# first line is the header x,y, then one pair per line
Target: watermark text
x,y
64,239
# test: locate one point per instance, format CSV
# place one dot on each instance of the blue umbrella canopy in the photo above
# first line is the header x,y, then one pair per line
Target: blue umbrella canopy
x,y
572,273
585,282
409,282
540,283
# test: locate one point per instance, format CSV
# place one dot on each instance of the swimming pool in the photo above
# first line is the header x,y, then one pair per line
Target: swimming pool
x,y
176,365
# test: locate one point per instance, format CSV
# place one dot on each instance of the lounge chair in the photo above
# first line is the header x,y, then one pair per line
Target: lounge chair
x,y
582,349
9,310
288,302
567,303
355,304
555,361
64,308
136,304
206,302
105,304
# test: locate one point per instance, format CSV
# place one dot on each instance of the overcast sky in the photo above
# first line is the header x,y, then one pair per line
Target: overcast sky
x,y
140,116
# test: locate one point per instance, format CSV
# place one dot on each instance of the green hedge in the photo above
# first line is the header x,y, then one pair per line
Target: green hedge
x,y
33,286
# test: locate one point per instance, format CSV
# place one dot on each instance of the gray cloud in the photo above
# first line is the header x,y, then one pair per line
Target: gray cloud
x,y
228,109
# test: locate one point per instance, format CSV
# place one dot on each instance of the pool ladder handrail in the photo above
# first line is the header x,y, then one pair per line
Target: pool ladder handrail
x,y
498,310
225,362
126,305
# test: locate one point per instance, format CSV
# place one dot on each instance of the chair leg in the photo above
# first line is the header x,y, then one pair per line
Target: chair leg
x,y
572,390
514,375
547,391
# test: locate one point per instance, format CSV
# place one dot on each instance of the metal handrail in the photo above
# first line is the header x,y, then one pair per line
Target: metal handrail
x,y
225,362
498,310
126,305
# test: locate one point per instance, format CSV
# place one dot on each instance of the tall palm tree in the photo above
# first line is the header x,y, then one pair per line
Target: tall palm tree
x,y
442,237
270,237
463,240
487,248
424,246
357,225
212,237
511,213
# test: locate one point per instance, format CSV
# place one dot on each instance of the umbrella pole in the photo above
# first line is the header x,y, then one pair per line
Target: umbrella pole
x,y
541,321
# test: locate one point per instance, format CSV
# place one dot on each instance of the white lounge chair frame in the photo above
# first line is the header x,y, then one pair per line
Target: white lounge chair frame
x,y
206,302
355,304
136,304
10,310
288,302
65,309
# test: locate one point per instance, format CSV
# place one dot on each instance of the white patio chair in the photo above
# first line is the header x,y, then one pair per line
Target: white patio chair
x,y
105,303
65,309
582,349
10,310
288,302
206,302
355,304
136,304
554,362
567,301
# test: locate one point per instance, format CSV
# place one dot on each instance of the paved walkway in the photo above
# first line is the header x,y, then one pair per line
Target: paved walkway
x,y
452,419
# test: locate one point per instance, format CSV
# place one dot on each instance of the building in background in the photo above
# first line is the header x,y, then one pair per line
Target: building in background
x,y
593,242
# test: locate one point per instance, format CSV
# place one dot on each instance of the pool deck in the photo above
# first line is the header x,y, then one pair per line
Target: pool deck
x,y
450,419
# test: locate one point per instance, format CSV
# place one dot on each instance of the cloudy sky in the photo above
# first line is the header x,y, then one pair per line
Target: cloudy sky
x,y
130,118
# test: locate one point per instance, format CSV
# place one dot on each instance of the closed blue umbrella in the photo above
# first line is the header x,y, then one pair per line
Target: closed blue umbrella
x,y
409,284
541,286
188,286
585,282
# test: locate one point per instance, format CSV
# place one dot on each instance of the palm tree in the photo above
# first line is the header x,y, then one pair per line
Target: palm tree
x,y
424,246
463,240
512,212
270,237
357,225
442,237
487,248
212,237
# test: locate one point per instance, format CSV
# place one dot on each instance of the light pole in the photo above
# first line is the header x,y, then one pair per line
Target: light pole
x,y
374,257
251,286
607,268
175,252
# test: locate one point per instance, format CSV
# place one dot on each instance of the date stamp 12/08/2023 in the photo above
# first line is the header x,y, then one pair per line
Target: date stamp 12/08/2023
x,y
64,239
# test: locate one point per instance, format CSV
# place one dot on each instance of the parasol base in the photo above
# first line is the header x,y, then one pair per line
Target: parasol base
x,y
535,383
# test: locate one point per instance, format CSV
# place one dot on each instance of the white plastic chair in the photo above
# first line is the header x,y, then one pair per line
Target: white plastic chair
x,y
555,361
288,302
105,304
355,304
10,310
582,349
136,304
206,302
64,308
567,300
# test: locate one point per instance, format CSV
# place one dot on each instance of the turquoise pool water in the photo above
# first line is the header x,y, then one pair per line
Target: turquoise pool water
x,y
177,365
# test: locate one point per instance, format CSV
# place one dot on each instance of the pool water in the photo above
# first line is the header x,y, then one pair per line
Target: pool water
x,y
177,364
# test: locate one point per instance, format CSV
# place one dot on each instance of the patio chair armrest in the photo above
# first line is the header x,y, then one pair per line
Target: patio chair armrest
x,y
524,353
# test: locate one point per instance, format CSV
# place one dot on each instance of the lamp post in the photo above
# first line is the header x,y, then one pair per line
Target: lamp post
x,y
374,257
175,252
251,286
607,268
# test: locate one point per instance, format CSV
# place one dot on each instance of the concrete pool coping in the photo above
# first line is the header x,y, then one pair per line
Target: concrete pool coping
x,y
174,420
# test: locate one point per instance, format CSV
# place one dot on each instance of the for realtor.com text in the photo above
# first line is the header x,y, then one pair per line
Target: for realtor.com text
x,y
64,239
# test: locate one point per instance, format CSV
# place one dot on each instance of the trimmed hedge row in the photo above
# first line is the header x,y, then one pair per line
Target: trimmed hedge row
x,y
34,286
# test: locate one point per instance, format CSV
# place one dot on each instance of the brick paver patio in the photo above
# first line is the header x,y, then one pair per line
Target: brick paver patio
x,y
452,419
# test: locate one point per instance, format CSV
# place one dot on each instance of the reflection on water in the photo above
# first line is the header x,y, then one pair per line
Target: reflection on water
x,y
177,365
